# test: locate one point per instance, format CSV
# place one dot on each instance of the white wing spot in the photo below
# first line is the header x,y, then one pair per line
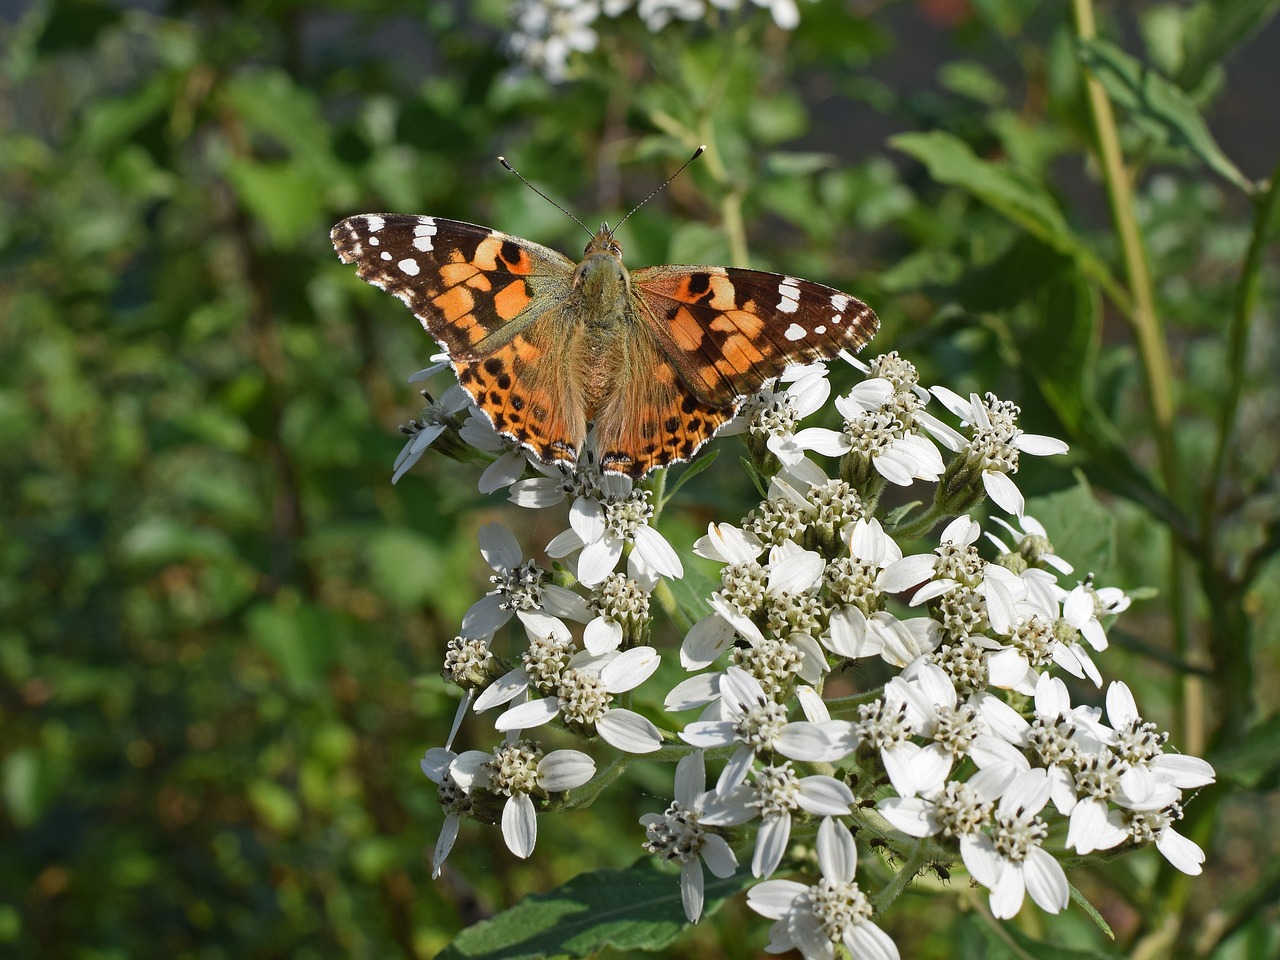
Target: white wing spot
x,y
837,319
820,330
374,241
795,331
423,231
838,302
789,292
374,222
409,266
385,255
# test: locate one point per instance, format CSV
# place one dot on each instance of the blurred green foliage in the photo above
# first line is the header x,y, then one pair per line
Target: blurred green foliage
x,y
220,626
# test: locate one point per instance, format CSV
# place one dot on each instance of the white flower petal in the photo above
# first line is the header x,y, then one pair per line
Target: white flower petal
x,y
1045,881
655,550
771,844
1004,492
586,517
773,898
912,815
1038,445
725,543
503,690
906,573
824,796
628,731
1182,853
829,443
533,713
718,856
601,636
598,559
519,825
630,668
565,769
696,691
499,547
837,853
484,618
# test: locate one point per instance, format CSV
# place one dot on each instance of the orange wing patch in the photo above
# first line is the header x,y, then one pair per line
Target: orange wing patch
x,y
524,390
651,420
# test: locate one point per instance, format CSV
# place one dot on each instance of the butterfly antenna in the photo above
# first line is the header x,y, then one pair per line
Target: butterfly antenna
x,y
503,161
696,154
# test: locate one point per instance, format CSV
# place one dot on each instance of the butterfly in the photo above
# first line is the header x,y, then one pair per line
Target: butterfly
x,y
656,360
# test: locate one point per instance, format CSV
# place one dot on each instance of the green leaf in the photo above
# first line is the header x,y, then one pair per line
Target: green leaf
x,y
950,161
1161,108
299,638
1004,941
1063,353
638,908
1213,28
75,24
1082,530
282,196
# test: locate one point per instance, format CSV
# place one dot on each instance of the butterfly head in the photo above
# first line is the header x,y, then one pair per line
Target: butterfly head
x,y
601,276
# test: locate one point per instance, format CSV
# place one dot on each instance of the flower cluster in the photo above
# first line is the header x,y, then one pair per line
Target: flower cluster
x,y
548,32
860,664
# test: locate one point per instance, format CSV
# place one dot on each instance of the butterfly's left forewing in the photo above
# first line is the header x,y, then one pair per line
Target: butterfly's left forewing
x,y
472,288
728,330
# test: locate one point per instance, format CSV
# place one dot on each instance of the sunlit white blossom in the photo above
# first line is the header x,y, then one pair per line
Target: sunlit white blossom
x,y
519,770
678,835
814,919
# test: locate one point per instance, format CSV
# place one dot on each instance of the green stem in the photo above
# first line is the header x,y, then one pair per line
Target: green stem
x,y
1148,331
1264,211
667,600
1143,318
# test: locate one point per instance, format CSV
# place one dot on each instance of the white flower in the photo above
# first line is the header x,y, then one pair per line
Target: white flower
x,y
602,523
522,589
1009,861
752,723
772,413
813,919
1085,607
547,32
748,590
1031,542
519,770
511,458
874,432
959,809
583,697
996,442
621,605
773,792
435,418
435,764
954,729
678,835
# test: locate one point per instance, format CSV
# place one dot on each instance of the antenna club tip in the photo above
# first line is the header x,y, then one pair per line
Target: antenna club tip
x,y
702,147
503,161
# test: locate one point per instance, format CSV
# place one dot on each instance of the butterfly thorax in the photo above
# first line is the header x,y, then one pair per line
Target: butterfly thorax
x,y
602,285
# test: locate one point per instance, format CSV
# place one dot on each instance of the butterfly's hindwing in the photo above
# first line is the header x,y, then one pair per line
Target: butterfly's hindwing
x,y
526,388
729,330
464,282
651,419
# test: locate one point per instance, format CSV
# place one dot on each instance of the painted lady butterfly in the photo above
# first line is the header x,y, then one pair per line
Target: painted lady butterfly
x,y
658,358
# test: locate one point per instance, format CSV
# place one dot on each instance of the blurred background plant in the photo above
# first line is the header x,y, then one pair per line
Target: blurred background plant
x,y
220,625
